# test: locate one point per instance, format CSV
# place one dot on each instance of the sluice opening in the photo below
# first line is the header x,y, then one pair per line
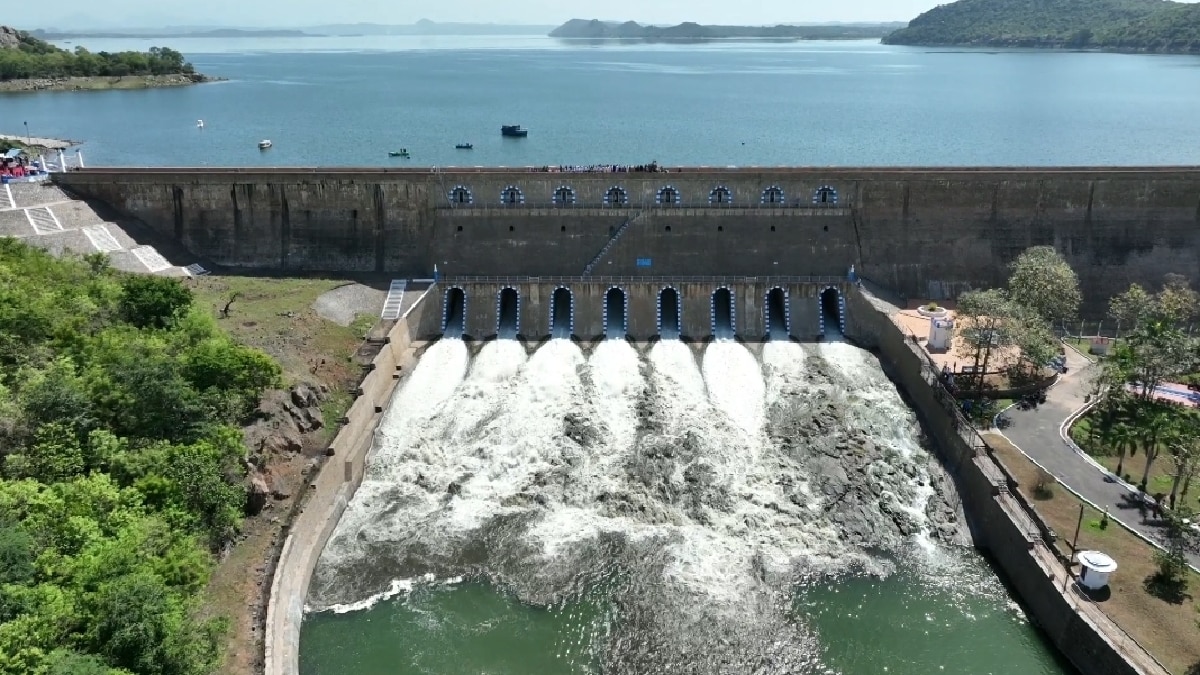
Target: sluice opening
x,y
454,313
831,313
778,327
508,313
722,314
668,314
562,314
615,325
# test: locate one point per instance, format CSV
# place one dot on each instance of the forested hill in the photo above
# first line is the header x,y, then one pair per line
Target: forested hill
x,y
23,56
1128,25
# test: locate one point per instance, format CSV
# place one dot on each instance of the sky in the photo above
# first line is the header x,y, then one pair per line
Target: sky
x,y
83,14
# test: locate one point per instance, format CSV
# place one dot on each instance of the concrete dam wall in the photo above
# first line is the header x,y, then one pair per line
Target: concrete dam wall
x,y
922,232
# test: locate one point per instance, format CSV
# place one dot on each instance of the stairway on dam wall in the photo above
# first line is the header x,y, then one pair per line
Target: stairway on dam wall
x,y
608,246
41,214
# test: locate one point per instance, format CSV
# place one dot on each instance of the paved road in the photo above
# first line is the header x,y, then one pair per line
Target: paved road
x,y
1036,432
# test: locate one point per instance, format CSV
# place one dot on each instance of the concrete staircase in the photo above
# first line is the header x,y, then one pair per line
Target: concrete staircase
x,y
612,241
41,214
394,303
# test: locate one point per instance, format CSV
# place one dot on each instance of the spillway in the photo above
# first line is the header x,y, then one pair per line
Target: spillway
x,y
625,512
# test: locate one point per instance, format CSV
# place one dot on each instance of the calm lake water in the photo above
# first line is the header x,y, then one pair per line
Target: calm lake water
x,y
347,101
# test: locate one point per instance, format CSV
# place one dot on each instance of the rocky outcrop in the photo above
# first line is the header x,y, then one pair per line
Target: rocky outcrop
x,y
100,83
9,39
285,425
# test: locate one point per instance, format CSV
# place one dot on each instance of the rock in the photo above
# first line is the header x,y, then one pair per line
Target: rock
x,y
279,488
9,38
305,396
454,489
280,444
260,490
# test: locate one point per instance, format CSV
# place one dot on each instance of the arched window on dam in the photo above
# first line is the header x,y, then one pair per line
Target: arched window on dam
x,y
616,196
832,321
723,315
773,196
778,317
564,196
461,196
667,196
508,313
616,314
720,196
562,314
512,196
454,313
669,314
825,196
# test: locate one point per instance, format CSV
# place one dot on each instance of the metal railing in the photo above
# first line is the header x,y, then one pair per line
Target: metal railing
x,y
453,279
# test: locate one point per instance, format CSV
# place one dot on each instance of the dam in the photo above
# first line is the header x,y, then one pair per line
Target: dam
x,y
920,232
641,430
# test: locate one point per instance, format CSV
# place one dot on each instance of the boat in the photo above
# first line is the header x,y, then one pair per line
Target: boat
x,y
463,146
402,152
264,144
514,131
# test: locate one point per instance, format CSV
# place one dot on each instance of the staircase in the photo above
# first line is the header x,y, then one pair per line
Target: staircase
x,y
587,271
151,258
101,238
42,220
395,300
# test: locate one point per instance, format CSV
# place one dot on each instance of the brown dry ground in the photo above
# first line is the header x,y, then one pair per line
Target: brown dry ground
x,y
1168,631
276,316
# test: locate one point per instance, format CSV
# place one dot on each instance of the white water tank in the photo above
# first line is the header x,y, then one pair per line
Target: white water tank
x,y
1096,568
941,334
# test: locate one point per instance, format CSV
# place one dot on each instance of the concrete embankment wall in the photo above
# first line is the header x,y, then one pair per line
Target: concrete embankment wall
x,y
642,302
922,232
334,486
1010,530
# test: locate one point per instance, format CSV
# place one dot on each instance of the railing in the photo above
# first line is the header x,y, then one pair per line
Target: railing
x,y
831,171
451,280
802,206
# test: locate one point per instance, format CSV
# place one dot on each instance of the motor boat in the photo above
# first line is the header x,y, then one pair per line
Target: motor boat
x,y
402,152
513,131
264,144
463,146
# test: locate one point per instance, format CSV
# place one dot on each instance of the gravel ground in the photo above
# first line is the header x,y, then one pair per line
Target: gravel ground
x,y
344,303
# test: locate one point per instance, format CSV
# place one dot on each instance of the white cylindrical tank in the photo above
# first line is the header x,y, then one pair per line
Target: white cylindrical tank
x,y
941,334
1096,568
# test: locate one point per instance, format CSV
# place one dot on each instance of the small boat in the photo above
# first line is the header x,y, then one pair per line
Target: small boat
x,y
264,144
463,146
199,124
513,131
402,152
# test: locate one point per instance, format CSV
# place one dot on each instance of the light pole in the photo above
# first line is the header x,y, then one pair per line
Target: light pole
x,y
28,141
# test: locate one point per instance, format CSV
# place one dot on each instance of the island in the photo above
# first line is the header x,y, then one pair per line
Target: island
x,y
30,64
631,30
1157,26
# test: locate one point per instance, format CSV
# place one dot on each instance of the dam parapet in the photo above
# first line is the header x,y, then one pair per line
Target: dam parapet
x,y
922,232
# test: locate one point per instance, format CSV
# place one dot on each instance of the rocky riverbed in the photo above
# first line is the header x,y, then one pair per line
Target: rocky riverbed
x,y
100,83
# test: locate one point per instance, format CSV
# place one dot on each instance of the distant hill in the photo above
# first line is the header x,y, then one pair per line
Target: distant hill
x,y
427,27
1128,25
596,29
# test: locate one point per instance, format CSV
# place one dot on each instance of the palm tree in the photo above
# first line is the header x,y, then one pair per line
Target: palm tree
x,y
1158,424
1124,439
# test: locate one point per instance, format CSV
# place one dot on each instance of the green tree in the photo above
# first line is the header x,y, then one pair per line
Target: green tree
x,y
1043,282
54,456
17,554
987,323
150,301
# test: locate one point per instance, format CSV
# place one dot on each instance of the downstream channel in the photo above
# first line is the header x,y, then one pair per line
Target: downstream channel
x,y
669,508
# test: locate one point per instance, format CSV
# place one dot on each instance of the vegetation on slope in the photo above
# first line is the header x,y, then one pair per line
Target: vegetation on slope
x,y
1134,25
23,56
120,466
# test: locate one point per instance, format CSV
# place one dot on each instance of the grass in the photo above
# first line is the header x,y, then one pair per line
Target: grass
x,y
277,316
1166,630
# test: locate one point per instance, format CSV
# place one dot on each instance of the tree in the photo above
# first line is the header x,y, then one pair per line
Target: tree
x,y
988,324
1044,283
1158,422
149,301
1170,581
54,456
17,554
1129,307
1184,450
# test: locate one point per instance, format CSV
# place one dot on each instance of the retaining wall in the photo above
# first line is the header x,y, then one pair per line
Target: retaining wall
x,y
1008,528
334,486
926,232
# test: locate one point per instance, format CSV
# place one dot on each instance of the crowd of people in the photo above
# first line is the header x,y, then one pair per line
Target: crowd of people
x,y
15,167
652,167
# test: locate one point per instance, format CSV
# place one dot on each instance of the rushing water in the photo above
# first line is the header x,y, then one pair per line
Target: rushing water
x,y
620,512
347,101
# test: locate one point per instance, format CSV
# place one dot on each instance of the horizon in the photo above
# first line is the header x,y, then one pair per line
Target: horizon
x,y
82,15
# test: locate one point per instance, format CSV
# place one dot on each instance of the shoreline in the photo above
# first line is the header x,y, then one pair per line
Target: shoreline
x,y
36,143
104,83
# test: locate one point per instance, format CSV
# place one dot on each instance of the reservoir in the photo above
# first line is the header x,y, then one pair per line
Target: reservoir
x,y
348,101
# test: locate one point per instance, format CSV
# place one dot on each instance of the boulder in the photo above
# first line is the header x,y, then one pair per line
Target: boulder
x,y
260,490
279,488
280,444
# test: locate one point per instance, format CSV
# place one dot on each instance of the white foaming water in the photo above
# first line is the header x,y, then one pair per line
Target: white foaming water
x,y
617,386
735,384
887,419
783,368
437,375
